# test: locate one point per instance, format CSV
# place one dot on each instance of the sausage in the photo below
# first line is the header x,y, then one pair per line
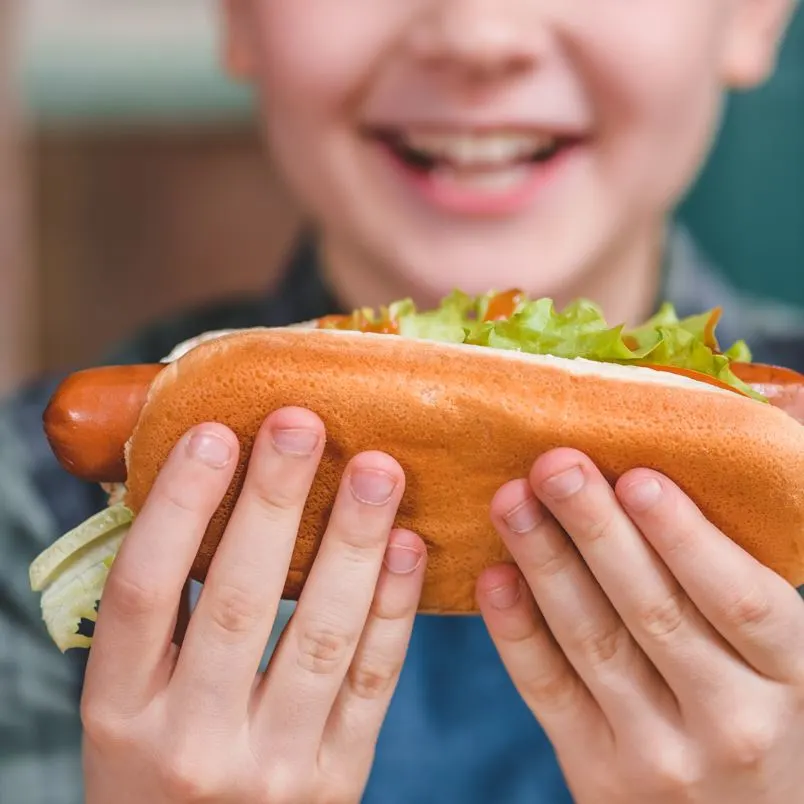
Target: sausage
x,y
782,387
93,413
91,416
790,398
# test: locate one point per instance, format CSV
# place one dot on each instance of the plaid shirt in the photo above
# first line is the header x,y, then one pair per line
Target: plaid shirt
x,y
430,740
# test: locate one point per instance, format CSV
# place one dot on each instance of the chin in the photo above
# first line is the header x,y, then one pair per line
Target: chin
x,y
433,269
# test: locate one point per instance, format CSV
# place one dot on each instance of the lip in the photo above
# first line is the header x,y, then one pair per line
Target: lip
x,y
439,191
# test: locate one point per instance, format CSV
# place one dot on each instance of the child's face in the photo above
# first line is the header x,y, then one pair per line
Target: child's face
x,y
495,143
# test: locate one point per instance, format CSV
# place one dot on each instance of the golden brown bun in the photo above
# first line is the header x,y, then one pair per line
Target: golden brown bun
x,y
464,420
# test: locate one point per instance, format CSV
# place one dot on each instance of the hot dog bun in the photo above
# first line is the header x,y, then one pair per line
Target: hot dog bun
x,y
93,412
462,420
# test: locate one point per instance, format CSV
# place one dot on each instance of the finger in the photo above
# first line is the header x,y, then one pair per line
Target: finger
x,y
139,609
232,621
362,703
539,669
309,667
754,609
582,619
652,604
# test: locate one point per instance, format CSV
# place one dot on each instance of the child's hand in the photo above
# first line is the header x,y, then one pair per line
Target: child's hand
x,y
665,664
199,723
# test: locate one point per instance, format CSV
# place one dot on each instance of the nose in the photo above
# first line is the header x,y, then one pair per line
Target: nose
x,y
482,39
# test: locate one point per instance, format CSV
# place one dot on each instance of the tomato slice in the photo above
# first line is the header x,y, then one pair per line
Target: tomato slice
x,y
503,305
693,375
360,323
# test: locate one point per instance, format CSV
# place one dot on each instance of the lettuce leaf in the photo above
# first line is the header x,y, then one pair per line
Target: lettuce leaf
x,y
446,324
579,330
72,572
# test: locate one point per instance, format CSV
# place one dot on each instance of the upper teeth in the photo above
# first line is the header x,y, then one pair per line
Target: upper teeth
x,y
479,148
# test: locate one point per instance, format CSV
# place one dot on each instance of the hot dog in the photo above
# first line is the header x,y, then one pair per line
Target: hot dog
x,y
465,397
92,414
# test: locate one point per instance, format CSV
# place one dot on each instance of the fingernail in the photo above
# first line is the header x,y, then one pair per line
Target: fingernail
x,y
565,483
210,449
295,441
524,517
642,494
503,597
372,486
402,560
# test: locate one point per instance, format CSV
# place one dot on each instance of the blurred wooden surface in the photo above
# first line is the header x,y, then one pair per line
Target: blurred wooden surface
x,y
133,224
18,314
134,183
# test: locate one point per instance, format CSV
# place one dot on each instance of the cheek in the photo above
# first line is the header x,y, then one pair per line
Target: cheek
x,y
659,98
315,60
301,71
315,56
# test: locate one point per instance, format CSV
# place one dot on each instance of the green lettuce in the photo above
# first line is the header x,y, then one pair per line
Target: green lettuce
x,y
71,574
579,330
446,324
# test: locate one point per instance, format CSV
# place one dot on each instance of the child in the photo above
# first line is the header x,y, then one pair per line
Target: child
x,y
435,144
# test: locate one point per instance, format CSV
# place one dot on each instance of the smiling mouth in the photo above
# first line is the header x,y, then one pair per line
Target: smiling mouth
x,y
426,152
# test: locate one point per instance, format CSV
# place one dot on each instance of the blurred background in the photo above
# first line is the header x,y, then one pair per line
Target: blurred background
x,y
132,180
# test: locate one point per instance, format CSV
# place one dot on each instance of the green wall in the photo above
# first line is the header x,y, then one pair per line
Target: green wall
x,y
748,207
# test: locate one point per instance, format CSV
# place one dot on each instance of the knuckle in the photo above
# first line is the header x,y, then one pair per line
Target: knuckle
x,y
130,597
558,690
101,726
393,609
662,619
360,548
557,560
322,649
362,537
360,534
277,497
748,742
671,772
183,496
526,629
283,787
680,539
602,644
373,679
232,610
599,527
750,608
187,775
